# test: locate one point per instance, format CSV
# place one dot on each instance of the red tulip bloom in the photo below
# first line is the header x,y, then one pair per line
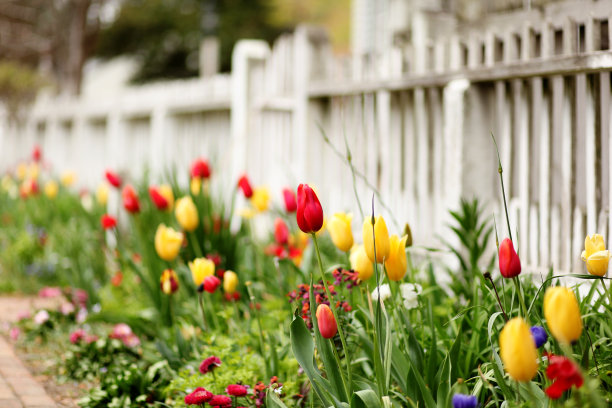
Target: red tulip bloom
x,y
509,262
281,231
209,364
220,401
289,197
245,186
326,321
130,199
198,397
565,375
113,178
108,221
159,200
200,168
309,211
236,390
36,153
211,283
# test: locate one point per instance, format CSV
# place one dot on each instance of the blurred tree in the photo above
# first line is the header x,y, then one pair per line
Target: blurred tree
x,y
18,87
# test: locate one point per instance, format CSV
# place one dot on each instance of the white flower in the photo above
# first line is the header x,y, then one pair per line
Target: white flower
x,y
81,315
96,308
385,292
279,390
87,202
409,292
41,317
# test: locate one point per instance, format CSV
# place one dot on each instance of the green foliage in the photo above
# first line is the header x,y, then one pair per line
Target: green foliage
x,y
18,86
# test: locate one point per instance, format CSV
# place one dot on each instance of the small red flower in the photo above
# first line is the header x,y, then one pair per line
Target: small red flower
x,y
509,262
36,153
130,199
245,186
77,335
113,178
565,375
117,279
209,364
281,231
200,168
108,221
290,202
220,401
198,397
236,390
309,211
159,200
211,283
216,258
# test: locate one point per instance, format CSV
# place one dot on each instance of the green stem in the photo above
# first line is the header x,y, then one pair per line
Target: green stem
x,y
261,336
519,293
194,244
333,309
603,282
202,310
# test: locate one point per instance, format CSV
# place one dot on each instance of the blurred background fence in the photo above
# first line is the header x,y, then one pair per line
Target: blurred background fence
x,y
416,103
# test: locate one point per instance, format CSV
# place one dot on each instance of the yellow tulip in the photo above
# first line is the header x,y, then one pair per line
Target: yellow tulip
x,y
22,171
167,242
102,193
200,269
518,350
360,263
7,183
195,186
68,178
595,255
166,191
260,198
562,314
397,263
51,189
33,171
340,230
230,282
186,213
382,239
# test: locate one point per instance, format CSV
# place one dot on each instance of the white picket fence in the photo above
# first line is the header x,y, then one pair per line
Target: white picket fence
x,y
418,121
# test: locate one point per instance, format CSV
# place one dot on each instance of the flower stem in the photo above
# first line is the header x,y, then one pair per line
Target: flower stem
x,y
202,310
519,293
194,244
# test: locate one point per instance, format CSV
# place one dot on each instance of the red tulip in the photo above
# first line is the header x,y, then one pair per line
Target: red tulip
x,y
200,168
130,199
509,262
36,153
159,200
289,197
245,186
309,212
565,375
211,283
113,178
281,231
326,321
108,221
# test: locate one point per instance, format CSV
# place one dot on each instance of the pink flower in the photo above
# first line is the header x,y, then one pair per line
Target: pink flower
x,y
91,338
209,364
24,314
236,390
77,335
14,333
131,341
79,297
120,331
81,315
41,317
49,292
66,308
198,397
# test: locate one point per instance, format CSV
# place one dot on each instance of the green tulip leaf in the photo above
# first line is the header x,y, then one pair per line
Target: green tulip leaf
x,y
365,399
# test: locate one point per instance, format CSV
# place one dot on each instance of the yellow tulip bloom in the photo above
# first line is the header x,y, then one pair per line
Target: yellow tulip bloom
x,y
200,269
595,255
195,186
382,239
260,199
360,263
186,213
68,178
562,314
166,191
518,350
230,282
340,230
167,242
102,193
33,171
21,171
397,263
51,189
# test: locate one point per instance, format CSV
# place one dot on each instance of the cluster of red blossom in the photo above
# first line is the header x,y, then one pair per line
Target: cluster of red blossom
x,y
350,278
302,295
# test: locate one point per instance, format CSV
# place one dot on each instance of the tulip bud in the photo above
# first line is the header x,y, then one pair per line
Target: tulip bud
x,y
68,178
211,283
186,213
289,198
230,282
160,201
167,242
518,350
200,269
130,199
260,199
595,255
326,321
245,186
166,192
339,227
36,153
408,233
382,239
102,194
562,314
113,178
281,232
169,282
397,263
51,189
108,221
360,263
309,212
509,262
200,169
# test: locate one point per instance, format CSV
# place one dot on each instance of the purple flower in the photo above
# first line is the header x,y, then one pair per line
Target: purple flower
x,y
539,335
464,401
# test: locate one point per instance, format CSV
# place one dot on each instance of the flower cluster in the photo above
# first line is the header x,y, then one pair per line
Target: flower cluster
x,y
124,333
81,335
301,294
